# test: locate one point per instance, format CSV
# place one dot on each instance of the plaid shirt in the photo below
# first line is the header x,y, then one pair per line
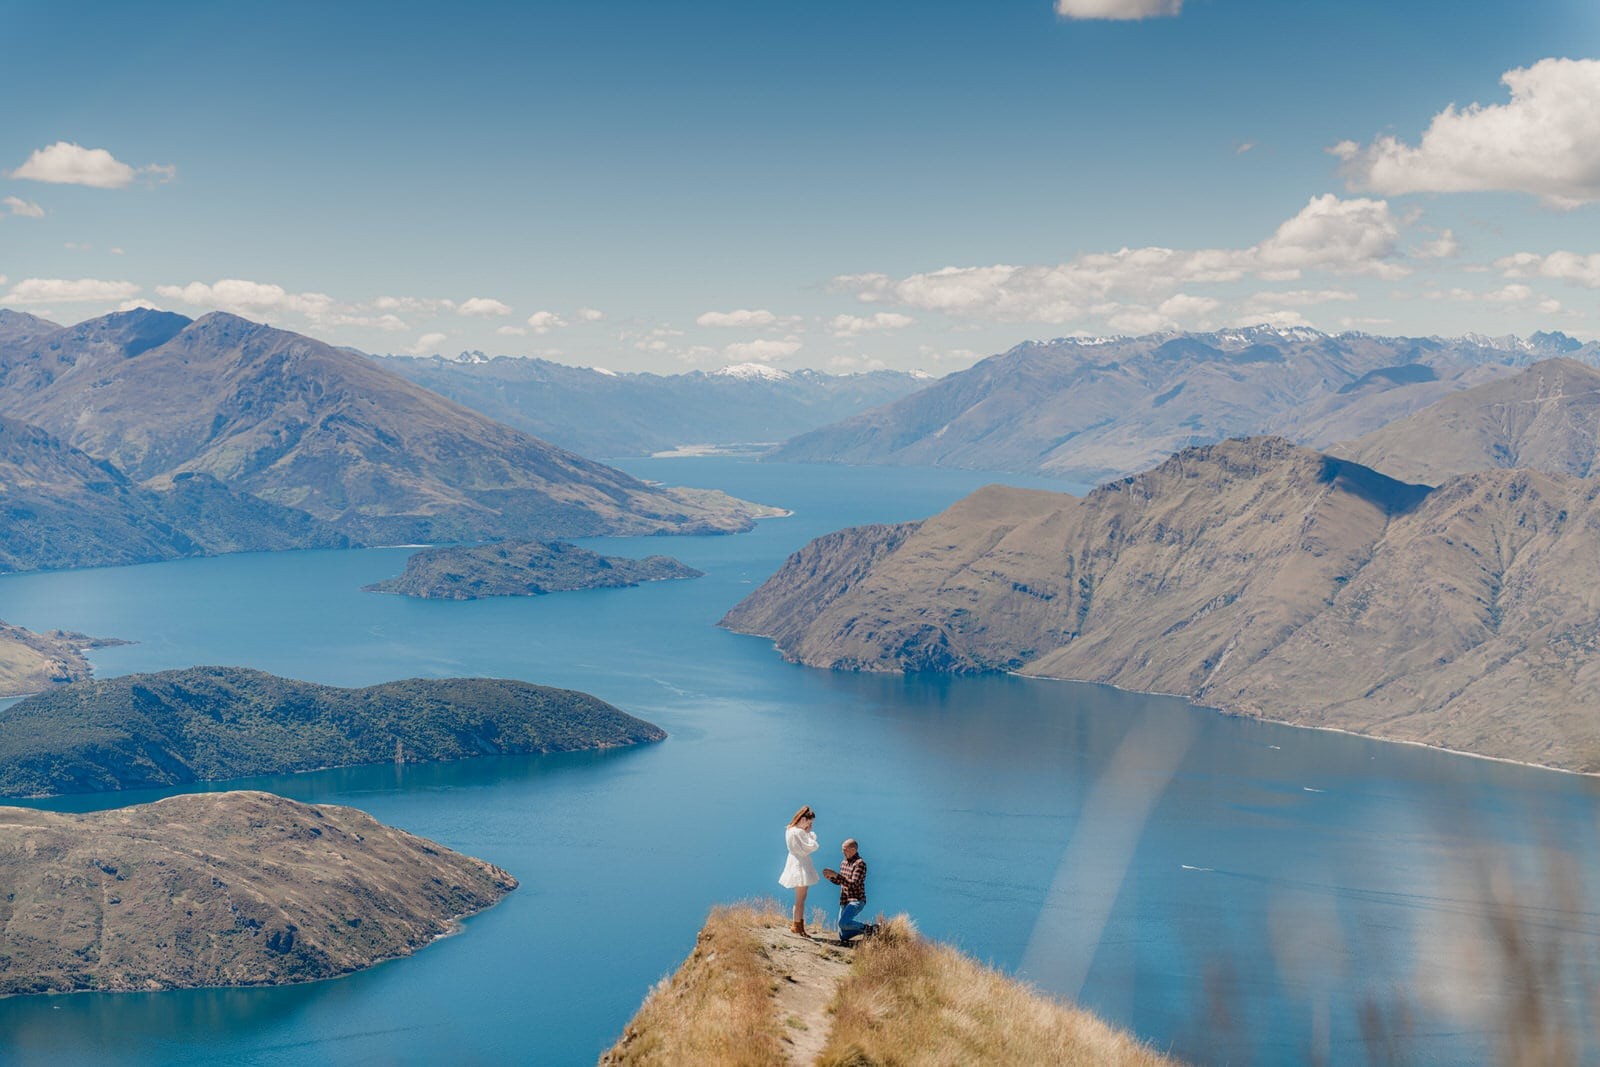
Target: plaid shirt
x,y
852,880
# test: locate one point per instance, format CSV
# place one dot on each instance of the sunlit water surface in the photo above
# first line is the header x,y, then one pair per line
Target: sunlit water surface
x,y
1232,890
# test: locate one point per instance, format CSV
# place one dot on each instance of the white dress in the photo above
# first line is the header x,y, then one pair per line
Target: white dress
x,y
799,870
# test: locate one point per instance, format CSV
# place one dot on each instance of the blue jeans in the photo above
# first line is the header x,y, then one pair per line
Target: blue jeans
x,y
848,927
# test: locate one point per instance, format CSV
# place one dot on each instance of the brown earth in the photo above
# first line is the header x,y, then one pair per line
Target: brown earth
x,y
1254,576
220,889
31,662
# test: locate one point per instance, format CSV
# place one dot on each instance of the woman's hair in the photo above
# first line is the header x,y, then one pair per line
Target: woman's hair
x,y
803,813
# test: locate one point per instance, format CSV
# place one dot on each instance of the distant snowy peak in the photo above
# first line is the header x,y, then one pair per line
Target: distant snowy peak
x,y
750,372
472,356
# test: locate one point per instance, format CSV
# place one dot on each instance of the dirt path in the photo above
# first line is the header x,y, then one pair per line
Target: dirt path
x,y
806,973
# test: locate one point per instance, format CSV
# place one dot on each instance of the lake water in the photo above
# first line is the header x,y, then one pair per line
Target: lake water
x,y
1228,889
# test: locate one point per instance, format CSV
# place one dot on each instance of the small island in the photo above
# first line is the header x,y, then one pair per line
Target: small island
x,y
220,889
531,568
212,723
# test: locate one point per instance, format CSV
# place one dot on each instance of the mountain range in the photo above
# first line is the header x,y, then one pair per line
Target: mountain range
x,y
1253,575
301,424
603,413
1104,408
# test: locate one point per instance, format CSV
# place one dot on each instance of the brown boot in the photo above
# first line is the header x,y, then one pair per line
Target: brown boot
x,y
799,928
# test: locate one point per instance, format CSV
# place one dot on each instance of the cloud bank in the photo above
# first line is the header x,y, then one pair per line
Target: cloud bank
x,y
1545,141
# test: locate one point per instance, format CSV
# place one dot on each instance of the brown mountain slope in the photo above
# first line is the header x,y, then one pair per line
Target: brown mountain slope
x,y
214,889
1547,418
59,507
1107,407
1254,576
305,425
32,662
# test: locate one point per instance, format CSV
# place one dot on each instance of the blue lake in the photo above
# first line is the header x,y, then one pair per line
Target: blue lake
x,y
1229,889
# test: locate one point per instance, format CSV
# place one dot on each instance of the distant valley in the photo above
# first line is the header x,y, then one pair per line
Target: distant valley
x,y
1104,408
602,413
1256,576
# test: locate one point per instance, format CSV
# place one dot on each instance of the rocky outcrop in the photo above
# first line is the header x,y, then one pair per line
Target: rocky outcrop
x,y
1255,576
220,889
530,569
31,662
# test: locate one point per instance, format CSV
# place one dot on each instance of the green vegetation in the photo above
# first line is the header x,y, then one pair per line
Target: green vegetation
x,y
529,569
210,723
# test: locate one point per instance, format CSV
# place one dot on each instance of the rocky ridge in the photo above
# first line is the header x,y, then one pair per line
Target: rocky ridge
x,y
1254,576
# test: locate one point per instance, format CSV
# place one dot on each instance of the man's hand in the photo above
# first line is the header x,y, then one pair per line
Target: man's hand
x,y
830,874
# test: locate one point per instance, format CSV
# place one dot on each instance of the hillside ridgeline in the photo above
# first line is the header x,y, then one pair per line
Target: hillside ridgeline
x,y
220,889
322,430
529,569
1546,418
752,994
212,723
67,509
1254,576
1108,407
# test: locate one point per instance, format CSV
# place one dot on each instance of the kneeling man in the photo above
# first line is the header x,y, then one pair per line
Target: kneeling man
x,y
851,878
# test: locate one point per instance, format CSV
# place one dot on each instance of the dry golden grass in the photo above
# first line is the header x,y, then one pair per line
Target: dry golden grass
x,y
912,1001
716,1009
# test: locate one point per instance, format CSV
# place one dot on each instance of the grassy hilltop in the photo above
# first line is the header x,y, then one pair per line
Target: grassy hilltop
x,y
753,994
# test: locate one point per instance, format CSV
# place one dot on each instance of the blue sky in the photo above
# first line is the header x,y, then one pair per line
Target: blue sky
x,y
838,185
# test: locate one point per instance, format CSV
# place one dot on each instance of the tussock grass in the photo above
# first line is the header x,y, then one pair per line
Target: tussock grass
x,y
716,1009
912,1001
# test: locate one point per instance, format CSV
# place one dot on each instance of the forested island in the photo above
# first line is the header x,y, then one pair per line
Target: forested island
x,y
212,723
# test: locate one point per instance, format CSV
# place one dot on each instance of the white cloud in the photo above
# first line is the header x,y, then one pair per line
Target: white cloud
x,y
1299,297
1564,266
512,331
740,319
427,344
117,252
1117,9
545,321
1546,142
763,351
69,291
1442,247
590,314
854,325
482,307
26,208
413,304
1347,237
386,323
1515,293
243,297
66,163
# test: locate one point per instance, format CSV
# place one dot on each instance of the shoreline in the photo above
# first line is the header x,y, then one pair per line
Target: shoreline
x,y
1231,713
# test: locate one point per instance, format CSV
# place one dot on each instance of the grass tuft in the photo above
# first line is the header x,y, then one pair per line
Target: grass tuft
x,y
715,1010
909,1000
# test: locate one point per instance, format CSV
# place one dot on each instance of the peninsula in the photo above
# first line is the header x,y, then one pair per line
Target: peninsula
x,y
1254,576
220,889
212,723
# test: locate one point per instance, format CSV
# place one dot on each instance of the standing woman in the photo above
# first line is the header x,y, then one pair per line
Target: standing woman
x,y
798,872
